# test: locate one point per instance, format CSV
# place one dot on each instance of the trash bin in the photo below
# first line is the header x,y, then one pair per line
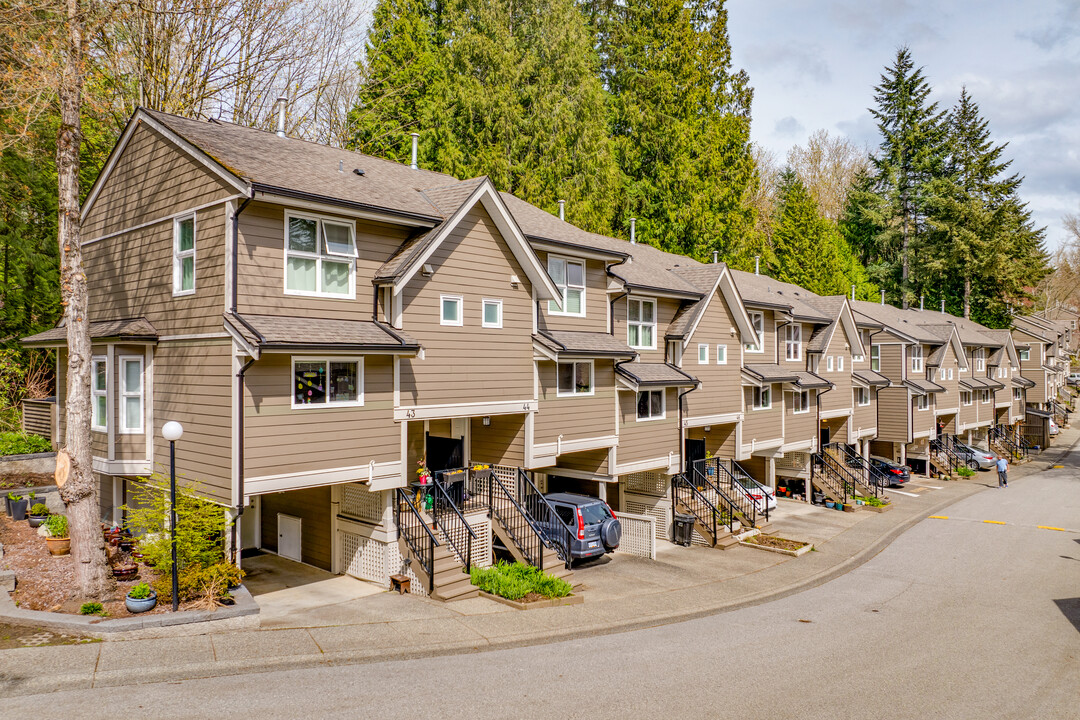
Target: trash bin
x,y
684,529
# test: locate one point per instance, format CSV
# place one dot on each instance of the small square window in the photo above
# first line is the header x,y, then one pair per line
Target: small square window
x,y
650,405
492,317
450,310
703,354
762,398
721,354
575,378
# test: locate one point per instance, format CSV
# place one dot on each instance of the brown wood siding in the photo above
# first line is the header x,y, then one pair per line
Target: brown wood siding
x,y
799,427
720,440
647,439
312,506
470,363
105,497
279,439
769,354
762,426
592,461
866,416
951,397
131,275
596,300
193,386
922,420
501,443
894,413
892,362
151,179
969,413
840,397
800,364
261,265
720,383
575,417
666,308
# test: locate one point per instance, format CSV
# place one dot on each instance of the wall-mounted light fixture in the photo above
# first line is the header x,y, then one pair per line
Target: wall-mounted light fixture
x,y
514,281
487,420
707,428
427,270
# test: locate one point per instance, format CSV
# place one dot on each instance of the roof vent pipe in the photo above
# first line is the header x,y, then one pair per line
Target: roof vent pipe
x,y
882,297
853,292
562,209
633,230
280,104
757,264
942,306
415,139
921,303
715,256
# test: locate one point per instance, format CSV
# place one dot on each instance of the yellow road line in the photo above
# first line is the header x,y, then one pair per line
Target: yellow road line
x,y
1049,527
939,517
995,522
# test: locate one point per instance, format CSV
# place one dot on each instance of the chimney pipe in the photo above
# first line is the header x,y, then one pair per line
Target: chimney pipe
x,y
852,292
942,306
415,139
633,230
757,264
882,297
281,103
921,303
562,209
715,256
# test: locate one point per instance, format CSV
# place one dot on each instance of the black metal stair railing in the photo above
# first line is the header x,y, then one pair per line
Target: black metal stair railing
x,y
871,479
825,476
730,491
543,516
944,455
832,458
746,480
417,535
686,494
448,519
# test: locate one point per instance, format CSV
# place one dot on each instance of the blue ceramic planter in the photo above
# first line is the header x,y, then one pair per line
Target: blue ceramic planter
x,y
138,606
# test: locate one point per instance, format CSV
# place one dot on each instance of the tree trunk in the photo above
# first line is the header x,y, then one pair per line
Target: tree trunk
x,y
967,297
79,490
904,255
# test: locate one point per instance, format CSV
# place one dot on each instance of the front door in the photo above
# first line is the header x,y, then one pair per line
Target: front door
x,y
695,450
824,436
445,453
288,537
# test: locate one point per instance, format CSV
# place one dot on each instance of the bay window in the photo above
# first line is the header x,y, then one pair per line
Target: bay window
x,y
327,382
641,324
320,257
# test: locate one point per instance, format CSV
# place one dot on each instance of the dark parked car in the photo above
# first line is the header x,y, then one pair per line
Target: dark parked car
x,y
594,529
897,473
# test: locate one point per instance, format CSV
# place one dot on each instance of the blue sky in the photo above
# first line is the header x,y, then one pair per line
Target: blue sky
x,y
814,63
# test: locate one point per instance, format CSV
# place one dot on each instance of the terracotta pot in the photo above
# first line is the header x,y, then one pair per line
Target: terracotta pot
x,y
125,572
58,546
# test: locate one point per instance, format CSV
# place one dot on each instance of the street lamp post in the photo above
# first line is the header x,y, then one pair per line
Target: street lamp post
x,y
172,431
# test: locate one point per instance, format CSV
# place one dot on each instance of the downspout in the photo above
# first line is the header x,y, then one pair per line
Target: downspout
x,y
240,375
682,430
617,298
236,249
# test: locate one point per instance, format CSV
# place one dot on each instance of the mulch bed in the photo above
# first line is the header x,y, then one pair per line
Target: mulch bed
x,y
45,582
775,542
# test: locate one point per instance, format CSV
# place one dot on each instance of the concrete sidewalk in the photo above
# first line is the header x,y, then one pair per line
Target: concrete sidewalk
x,y
383,627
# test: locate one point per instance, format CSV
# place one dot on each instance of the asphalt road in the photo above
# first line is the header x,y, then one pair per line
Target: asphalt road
x,y
959,618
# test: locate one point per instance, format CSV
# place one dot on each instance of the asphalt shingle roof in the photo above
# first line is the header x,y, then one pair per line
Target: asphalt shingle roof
x,y
771,372
130,329
871,378
655,374
576,342
275,330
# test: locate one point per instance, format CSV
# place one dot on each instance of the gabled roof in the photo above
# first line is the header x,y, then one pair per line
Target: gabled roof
x,y
275,332
947,335
132,329
711,279
839,309
766,292
583,344
906,324
810,381
641,374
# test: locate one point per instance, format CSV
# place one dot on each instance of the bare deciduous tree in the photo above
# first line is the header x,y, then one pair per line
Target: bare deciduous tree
x,y
828,165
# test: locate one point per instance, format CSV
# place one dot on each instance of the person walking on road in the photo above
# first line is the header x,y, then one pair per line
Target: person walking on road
x,y
1003,472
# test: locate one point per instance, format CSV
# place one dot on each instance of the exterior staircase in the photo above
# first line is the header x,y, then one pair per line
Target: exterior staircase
x,y
825,476
714,517
943,460
729,485
429,548
865,479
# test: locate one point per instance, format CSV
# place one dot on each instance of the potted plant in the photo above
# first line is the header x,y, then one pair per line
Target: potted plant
x,y
8,500
38,513
140,598
58,541
18,508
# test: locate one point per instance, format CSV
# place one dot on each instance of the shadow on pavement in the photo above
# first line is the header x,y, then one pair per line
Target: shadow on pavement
x,y
1070,608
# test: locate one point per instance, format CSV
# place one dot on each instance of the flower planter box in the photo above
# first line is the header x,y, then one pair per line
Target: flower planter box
x,y
876,509
791,553
551,602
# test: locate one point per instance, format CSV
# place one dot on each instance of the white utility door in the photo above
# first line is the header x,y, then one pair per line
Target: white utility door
x,y
251,525
288,537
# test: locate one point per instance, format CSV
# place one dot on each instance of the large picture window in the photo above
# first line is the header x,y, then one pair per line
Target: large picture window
x,y
650,405
569,275
131,395
320,257
575,378
641,324
333,382
99,389
184,255
757,321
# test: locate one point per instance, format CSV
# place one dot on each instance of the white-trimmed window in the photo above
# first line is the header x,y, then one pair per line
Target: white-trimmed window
x,y
329,381
491,313
184,255
703,354
99,390
916,358
650,405
569,275
721,354
757,321
984,396
1016,393
131,394
948,372
320,257
980,360
793,342
829,363
862,396
641,324
575,378
451,310
800,402
1024,353
922,402
875,358
840,363
965,398
762,398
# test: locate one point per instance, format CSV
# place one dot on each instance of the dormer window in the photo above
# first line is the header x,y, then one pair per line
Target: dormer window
x,y
793,342
569,276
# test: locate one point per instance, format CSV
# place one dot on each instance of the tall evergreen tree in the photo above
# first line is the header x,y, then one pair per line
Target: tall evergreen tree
x,y
908,159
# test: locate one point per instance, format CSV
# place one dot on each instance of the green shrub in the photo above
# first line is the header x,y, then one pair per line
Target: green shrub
x,y
39,509
515,581
92,608
140,592
200,526
965,472
57,526
210,585
17,443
